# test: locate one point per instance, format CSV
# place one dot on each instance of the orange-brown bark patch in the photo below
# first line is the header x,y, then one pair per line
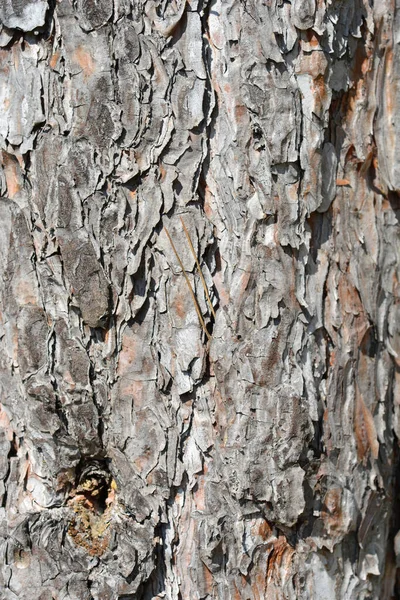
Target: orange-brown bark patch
x,y
279,560
179,306
53,59
364,429
85,61
240,111
264,530
312,38
6,424
12,173
128,351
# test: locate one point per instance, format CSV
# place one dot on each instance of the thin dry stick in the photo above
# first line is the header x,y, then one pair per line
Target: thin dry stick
x,y
189,285
199,269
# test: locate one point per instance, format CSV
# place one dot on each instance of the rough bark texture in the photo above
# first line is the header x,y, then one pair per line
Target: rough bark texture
x,y
138,460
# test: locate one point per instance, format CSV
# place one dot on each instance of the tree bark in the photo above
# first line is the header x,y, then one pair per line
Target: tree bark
x,y
144,455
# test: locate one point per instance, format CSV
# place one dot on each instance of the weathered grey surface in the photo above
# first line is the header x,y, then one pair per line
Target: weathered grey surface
x,y
23,14
137,459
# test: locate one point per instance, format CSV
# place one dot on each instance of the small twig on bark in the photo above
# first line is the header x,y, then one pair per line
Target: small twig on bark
x,y
199,269
203,325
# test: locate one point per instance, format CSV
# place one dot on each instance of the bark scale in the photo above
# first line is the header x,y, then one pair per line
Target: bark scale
x,y
138,458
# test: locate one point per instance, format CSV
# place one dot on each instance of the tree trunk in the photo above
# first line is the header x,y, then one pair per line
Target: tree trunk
x,y
144,454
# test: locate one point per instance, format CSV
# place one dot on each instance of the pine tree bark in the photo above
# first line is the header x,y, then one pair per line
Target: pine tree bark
x,y
142,456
